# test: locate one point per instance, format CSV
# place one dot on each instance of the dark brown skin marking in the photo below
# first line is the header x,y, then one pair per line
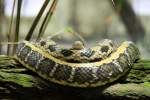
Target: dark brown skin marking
x,y
66,52
111,44
42,43
88,53
104,48
52,48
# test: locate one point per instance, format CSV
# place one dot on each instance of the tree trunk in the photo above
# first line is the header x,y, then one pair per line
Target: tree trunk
x,y
17,82
132,23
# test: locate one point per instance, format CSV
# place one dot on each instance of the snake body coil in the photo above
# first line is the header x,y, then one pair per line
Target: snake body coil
x,y
78,52
90,74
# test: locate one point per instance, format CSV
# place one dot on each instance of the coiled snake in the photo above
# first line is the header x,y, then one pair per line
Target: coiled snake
x,y
78,66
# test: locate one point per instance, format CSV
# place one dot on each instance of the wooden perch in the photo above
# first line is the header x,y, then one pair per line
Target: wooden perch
x,y
17,82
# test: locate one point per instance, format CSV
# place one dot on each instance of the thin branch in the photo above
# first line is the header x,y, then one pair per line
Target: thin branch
x,y
132,23
113,3
1,22
35,22
47,19
16,39
10,27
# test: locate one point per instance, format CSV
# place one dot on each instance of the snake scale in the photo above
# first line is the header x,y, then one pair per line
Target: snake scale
x,y
91,72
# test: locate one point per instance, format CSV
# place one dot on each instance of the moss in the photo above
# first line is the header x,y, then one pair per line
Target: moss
x,y
14,70
130,90
147,84
137,76
142,64
20,79
136,85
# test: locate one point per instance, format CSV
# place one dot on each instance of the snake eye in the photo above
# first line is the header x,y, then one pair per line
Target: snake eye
x,y
104,49
66,52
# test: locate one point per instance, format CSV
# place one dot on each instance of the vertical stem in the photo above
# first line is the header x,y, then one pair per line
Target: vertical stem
x,y
1,22
35,22
10,27
47,19
16,39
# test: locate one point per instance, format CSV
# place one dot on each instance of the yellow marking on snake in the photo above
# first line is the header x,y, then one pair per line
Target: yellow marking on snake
x,y
115,55
120,50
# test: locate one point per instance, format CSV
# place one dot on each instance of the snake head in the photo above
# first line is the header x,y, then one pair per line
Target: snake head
x,y
78,45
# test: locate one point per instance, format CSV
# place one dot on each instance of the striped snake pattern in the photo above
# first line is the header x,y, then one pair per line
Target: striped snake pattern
x,y
81,71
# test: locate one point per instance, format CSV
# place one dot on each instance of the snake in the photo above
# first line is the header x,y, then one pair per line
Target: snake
x,y
78,53
91,72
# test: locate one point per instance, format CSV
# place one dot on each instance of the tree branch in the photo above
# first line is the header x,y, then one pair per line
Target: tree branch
x,y
17,82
